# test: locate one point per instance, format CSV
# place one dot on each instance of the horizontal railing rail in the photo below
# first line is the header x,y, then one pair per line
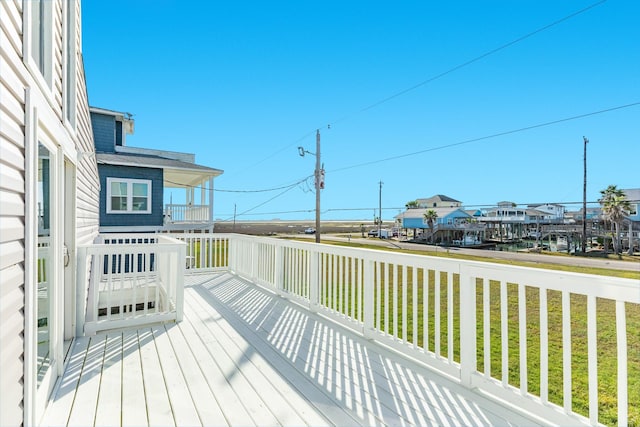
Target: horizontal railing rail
x,y
174,213
132,280
536,339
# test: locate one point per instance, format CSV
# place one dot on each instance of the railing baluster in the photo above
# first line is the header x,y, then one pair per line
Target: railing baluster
x,y
566,351
486,320
621,339
395,300
544,347
504,331
450,316
522,328
405,283
425,308
414,283
436,313
592,352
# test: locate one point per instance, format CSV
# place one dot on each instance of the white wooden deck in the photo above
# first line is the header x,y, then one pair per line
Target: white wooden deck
x,y
242,357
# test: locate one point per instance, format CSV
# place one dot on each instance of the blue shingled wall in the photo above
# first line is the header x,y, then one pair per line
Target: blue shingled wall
x,y
104,132
155,218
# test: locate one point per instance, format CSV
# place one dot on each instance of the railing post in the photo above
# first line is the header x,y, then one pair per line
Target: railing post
x,y
314,280
179,285
278,271
368,285
81,290
468,360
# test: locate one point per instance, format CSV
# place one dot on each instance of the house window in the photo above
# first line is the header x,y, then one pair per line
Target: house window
x,y
128,195
41,37
69,92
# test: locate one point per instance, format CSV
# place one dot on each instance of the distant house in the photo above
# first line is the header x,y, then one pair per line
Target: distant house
x,y
438,201
633,197
509,221
133,182
453,225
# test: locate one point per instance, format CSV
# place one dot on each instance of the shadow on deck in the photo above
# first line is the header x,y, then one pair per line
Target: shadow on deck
x,y
243,356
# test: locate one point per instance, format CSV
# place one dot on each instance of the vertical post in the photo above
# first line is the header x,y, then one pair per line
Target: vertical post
x,y
468,360
380,211
584,200
179,279
211,203
314,280
368,286
81,290
317,173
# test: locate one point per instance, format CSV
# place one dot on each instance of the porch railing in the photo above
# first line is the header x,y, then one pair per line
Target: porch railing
x,y
186,213
514,333
133,280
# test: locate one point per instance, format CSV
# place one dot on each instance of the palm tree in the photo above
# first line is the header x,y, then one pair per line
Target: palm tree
x,y
412,204
614,208
430,217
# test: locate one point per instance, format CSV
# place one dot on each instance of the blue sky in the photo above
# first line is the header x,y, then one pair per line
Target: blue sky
x,y
243,84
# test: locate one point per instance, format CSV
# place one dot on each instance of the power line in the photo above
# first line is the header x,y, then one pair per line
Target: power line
x,y
443,74
264,190
482,138
480,57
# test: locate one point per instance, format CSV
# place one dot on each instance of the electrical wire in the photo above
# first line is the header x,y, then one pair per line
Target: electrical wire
x,y
442,74
483,138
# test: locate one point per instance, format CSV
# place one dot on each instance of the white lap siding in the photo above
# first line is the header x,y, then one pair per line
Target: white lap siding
x,y
17,147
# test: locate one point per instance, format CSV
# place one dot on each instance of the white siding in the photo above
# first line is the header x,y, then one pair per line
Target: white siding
x,y
15,79
12,187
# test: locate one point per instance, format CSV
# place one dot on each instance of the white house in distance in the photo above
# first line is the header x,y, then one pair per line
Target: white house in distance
x,y
49,191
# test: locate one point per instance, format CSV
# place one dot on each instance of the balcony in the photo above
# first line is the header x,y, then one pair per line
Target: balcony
x,y
291,333
186,214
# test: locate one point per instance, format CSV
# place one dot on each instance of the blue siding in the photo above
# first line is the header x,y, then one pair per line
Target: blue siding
x,y
419,223
155,218
104,132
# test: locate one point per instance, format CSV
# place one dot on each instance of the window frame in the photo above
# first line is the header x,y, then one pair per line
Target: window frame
x,y
129,182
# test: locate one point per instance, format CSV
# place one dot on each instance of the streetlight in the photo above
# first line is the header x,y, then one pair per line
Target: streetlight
x,y
319,180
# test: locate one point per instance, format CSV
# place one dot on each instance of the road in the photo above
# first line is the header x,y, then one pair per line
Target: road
x,y
519,256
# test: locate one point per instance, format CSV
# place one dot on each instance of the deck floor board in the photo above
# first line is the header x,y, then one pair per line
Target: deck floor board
x,y
243,356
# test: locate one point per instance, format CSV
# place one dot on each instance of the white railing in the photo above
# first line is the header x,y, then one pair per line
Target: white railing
x,y
186,213
506,331
134,279
205,251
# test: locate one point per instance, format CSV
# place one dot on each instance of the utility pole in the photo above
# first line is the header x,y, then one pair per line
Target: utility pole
x,y
584,199
319,179
380,211
234,217
318,185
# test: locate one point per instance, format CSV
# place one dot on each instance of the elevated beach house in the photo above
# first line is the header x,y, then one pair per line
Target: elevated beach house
x,y
452,225
134,181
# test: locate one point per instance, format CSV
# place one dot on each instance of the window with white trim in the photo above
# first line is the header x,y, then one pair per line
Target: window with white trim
x,y
42,37
131,196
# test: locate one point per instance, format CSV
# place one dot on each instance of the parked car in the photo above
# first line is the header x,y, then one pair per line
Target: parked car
x,y
310,230
384,233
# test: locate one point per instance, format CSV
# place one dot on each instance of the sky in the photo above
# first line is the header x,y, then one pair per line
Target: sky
x,y
481,101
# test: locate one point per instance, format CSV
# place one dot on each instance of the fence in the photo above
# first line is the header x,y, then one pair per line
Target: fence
x,y
133,280
527,336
